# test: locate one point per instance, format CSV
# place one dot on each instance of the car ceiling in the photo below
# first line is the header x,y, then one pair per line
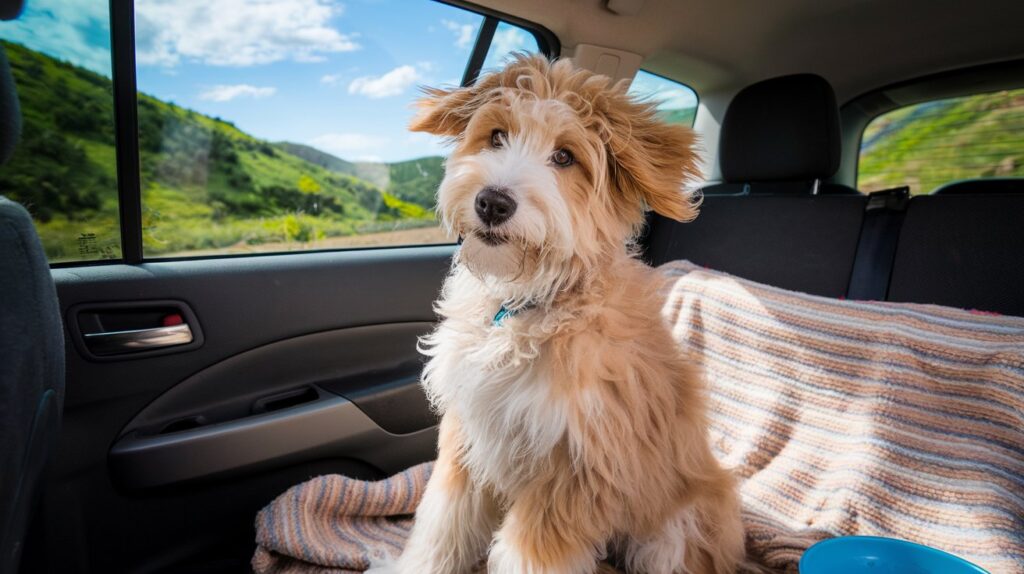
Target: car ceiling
x,y
859,45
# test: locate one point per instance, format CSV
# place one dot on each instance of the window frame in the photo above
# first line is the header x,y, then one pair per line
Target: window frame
x,y
126,125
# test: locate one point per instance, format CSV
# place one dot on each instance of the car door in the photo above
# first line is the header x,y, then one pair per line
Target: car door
x,y
244,251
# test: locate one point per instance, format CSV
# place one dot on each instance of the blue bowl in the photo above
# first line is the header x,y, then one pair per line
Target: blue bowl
x,y
876,555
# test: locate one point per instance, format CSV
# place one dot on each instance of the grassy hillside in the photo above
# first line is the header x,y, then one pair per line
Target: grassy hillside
x,y
927,145
414,180
205,183
317,157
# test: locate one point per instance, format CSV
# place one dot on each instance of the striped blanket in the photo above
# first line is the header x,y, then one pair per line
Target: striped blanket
x,y
840,417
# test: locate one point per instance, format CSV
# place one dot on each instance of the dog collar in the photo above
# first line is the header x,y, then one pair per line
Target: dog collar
x,y
504,313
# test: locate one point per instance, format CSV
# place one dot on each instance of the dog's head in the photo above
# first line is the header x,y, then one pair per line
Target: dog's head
x,y
551,171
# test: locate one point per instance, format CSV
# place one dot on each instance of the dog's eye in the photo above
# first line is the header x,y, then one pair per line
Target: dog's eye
x,y
562,158
498,138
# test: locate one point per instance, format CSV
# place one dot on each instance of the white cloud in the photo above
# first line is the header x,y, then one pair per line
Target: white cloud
x,y
224,93
465,34
392,83
237,32
349,145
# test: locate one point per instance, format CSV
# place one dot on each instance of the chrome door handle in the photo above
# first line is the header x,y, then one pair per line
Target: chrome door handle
x,y
117,342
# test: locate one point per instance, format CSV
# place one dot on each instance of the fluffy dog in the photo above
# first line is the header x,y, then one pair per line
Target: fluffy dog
x,y
572,425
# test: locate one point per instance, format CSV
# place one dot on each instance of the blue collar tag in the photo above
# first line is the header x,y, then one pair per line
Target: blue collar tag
x,y
501,315
506,313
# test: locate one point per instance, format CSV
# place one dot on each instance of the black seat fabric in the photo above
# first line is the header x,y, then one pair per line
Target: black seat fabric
x,y
803,243
962,251
797,187
781,136
31,347
987,186
31,373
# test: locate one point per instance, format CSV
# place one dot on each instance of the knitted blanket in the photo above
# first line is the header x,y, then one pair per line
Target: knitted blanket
x,y
840,417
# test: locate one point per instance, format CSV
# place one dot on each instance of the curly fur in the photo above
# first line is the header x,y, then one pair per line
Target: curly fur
x,y
576,427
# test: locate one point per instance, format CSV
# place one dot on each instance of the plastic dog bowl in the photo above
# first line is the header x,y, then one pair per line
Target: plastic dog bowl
x,y
876,555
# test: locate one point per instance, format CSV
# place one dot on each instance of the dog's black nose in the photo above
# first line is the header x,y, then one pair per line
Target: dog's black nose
x,y
494,206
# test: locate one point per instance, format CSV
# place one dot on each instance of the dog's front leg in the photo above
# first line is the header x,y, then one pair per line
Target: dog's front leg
x,y
551,529
455,519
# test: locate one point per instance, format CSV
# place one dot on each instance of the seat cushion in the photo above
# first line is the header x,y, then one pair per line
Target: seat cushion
x,y
963,251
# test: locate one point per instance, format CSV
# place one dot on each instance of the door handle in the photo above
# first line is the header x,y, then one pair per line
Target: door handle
x,y
117,342
130,330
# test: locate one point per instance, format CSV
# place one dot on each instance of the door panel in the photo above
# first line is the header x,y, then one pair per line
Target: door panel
x,y
307,366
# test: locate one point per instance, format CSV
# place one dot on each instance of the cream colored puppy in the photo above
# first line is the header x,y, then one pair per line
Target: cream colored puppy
x,y
572,425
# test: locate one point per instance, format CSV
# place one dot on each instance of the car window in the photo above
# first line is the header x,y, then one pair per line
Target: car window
x,y
263,125
282,126
63,170
930,144
677,103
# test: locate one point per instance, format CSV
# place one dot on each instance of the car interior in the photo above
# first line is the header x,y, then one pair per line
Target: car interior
x,y
150,406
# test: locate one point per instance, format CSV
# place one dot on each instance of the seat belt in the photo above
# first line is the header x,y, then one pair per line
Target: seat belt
x,y
876,248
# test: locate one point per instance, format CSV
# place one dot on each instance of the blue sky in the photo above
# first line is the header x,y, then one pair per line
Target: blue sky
x,y
340,76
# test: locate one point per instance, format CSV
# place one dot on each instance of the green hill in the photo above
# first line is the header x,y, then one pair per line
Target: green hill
x,y
205,183
417,180
927,145
414,180
317,157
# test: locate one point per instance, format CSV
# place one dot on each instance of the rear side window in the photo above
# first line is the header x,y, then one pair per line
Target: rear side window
x,y
930,144
676,102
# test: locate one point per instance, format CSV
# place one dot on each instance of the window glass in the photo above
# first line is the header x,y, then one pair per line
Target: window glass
x,y
275,125
64,170
508,39
927,145
677,103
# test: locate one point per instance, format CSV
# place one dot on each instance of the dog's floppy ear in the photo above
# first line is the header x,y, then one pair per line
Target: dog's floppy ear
x,y
445,112
653,161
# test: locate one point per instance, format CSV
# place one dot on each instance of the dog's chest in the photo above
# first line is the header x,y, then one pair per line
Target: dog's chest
x,y
509,406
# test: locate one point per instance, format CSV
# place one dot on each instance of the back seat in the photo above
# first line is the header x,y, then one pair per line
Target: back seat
x,y
773,220
962,250
962,246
